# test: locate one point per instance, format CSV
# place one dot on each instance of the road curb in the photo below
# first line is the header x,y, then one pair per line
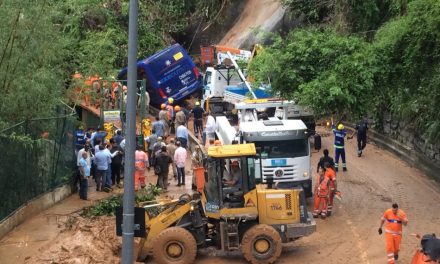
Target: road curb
x,y
405,153
33,207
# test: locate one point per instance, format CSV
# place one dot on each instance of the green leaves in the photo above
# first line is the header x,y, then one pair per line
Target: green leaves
x,y
398,72
320,68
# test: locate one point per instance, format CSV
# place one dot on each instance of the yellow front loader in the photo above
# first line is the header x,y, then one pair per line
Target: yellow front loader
x,y
247,216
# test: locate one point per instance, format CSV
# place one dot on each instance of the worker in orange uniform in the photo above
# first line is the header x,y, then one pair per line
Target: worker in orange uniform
x,y
394,218
322,190
170,115
140,164
331,175
430,251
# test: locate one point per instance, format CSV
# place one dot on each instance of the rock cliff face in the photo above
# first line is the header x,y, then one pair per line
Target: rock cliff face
x,y
405,134
240,24
257,17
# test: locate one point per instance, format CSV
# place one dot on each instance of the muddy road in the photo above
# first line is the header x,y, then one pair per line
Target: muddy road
x,y
369,187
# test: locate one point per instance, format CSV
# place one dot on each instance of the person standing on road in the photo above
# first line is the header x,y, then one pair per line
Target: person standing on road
x,y
198,113
98,136
159,127
163,116
324,159
394,218
180,117
330,174
116,163
171,149
102,161
84,169
118,138
163,161
170,115
340,134
108,176
180,159
182,135
322,191
151,140
210,128
157,148
361,129
89,158
140,164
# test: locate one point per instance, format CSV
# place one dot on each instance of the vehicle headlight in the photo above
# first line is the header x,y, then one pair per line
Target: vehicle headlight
x,y
305,174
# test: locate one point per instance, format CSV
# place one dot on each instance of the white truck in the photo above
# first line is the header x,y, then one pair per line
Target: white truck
x,y
282,145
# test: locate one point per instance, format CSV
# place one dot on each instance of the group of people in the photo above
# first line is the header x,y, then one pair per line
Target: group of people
x,y
325,187
392,220
101,159
160,157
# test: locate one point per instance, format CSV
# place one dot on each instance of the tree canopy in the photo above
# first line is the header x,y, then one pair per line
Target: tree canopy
x,y
43,43
338,73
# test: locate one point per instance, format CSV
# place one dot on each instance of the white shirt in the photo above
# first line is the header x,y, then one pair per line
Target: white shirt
x,y
210,125
89,158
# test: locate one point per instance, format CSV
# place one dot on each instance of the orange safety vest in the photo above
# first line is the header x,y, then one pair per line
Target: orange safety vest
x,y
421,258
322,189
394,221
331,175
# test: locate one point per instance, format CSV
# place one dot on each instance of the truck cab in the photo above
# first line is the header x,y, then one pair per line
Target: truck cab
x,y
217,79
283,149
282,144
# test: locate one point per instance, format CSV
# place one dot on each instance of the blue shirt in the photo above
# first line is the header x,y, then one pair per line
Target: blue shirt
x,y
159,127
98,135
339,137
102,160
118,139
182,132
83,163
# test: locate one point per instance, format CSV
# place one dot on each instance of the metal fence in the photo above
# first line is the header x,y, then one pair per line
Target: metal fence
x,y
37,156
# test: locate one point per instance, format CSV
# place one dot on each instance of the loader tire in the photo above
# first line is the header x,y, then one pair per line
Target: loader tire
x,y
261,244
175,245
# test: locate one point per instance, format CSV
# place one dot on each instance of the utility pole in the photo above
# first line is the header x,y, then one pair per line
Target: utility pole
x,y
130,137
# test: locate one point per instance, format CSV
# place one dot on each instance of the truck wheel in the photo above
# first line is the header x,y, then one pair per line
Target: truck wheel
x,y
261,244
175,245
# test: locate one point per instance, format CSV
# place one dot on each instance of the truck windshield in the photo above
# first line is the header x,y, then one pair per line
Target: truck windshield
x,y
283,149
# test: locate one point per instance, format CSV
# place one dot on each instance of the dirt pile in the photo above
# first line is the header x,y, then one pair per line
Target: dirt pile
x,y
82,240
258,15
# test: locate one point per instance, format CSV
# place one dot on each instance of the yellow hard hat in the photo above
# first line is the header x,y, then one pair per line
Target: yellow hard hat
x,y
162,106
170,100
177,108
340,126
197,103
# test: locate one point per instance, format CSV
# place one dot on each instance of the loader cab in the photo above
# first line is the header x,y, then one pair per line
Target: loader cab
x,y
229,176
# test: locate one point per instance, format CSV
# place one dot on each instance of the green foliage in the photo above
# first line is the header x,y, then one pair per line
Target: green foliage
x,y
42,43
29,56
96,31
322,69
351,15
397,73
409,79
108,206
